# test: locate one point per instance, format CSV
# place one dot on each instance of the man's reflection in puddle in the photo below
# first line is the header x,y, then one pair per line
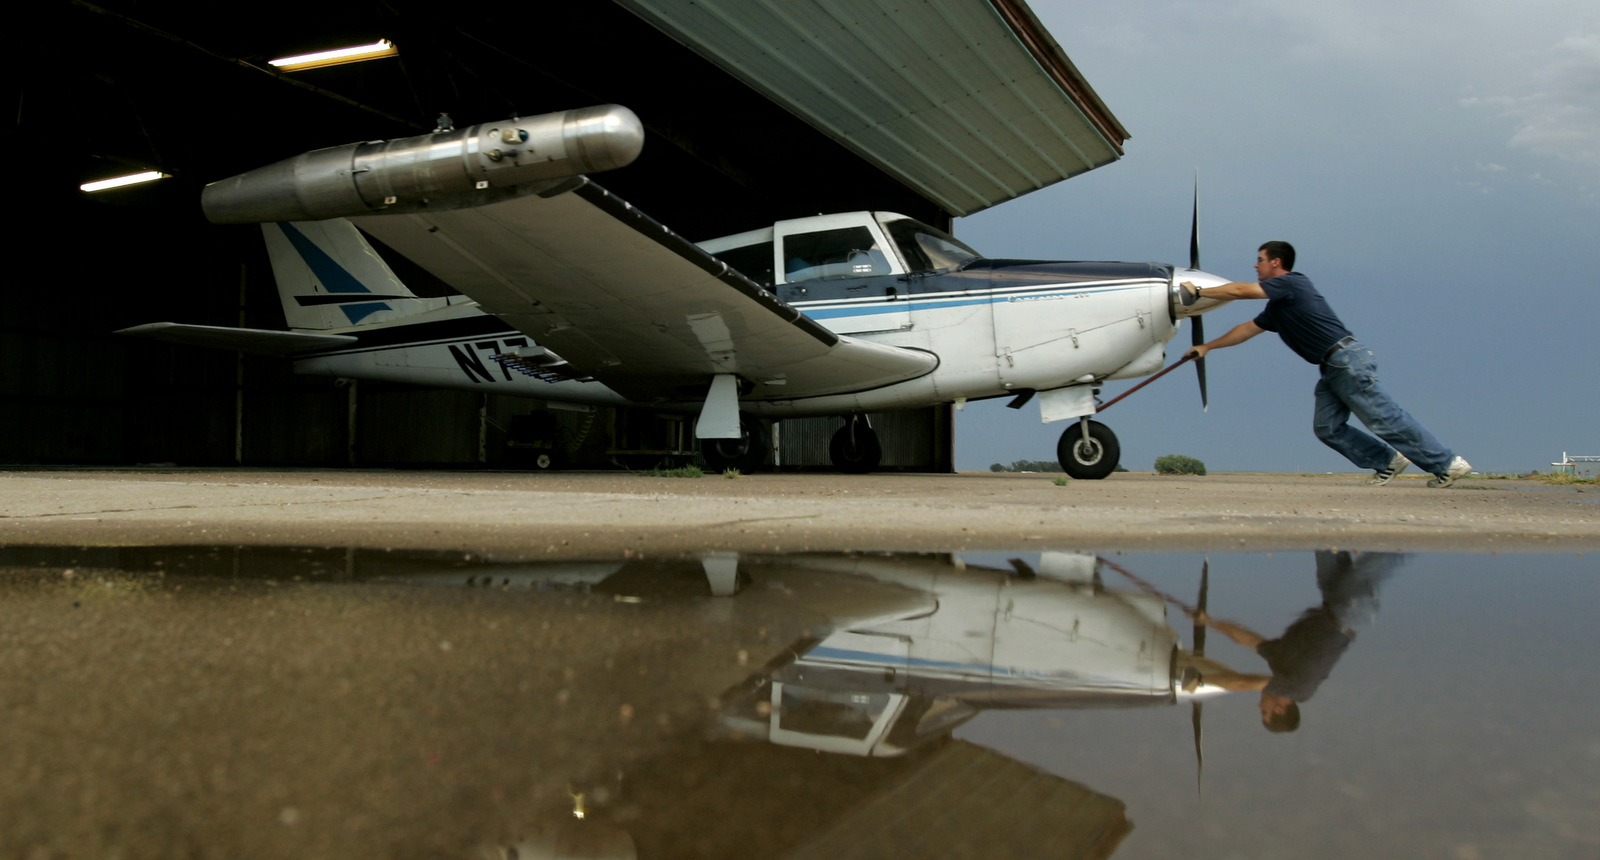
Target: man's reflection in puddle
x,y
1304,655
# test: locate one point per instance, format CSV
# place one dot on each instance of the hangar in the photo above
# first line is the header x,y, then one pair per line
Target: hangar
x,y
753,112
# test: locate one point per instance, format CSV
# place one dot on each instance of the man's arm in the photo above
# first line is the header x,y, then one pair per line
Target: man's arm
x,y
1242,635
1229,291
1235,336
1212,673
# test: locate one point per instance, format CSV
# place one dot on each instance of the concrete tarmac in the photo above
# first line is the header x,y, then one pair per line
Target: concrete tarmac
x,y
153,707
612,514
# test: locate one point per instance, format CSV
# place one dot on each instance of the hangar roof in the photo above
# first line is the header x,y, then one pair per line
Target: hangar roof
x,y
968,102
755,111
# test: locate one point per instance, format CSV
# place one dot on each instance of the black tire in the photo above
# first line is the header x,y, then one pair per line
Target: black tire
x,y
855,453
747,453
1092,461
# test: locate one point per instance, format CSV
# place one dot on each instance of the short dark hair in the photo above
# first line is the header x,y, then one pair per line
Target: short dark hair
x,y
1279,251
1289,720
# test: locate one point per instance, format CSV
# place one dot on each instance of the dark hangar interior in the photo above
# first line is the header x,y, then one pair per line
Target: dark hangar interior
x,y
764,111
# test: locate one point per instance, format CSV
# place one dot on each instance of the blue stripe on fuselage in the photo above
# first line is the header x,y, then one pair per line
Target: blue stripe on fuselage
x,y
940,304
853,656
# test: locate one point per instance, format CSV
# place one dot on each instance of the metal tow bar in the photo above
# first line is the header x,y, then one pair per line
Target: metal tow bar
x,y
1164,372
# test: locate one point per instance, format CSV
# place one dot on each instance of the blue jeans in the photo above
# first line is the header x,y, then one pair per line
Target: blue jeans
x,y
1349,385
1349,583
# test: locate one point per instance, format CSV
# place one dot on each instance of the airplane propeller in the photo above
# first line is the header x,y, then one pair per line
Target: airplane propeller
x,y
1197,329
1197,707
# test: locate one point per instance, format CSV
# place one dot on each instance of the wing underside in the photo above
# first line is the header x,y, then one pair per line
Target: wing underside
x,y
633,304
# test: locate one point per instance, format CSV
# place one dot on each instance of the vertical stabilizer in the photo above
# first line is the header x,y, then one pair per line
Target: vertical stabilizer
x,y
330,277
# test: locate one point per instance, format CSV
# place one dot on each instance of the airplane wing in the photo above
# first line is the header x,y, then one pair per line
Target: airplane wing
x,y
629,302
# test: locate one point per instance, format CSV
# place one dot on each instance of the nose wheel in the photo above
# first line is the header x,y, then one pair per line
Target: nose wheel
x,y
1088,450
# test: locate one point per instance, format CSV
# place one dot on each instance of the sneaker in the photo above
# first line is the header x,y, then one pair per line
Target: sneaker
x,y
1395,467
1458,468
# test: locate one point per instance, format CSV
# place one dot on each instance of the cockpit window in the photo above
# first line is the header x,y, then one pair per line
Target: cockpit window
x,y
830,713
928,249
848,252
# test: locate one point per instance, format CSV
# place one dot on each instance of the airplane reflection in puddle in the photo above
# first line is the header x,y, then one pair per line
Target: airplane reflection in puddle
x,y
968,639
1051,638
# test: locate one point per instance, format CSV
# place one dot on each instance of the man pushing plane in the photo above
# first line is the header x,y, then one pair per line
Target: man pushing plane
x,y
1349,383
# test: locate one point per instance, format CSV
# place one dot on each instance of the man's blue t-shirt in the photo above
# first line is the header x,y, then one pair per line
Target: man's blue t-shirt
x,y
1301,316
1304,656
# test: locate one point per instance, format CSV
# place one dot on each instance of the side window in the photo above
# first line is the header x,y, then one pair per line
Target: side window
x,y
848,252
752,261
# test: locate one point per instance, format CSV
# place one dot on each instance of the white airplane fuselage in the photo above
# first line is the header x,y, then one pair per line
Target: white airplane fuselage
x,y
997,329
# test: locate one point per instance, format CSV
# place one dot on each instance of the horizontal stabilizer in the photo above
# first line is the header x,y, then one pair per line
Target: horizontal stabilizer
x,y
263,341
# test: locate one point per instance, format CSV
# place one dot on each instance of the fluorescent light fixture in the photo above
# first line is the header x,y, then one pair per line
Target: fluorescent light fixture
x,y
380,48
118,182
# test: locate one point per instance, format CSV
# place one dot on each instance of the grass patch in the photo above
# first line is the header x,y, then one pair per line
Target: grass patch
x,y
1568,479
682,472
1061,480
730,474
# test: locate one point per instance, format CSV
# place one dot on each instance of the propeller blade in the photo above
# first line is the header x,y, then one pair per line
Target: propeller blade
x,y
1198,330
1194,225
1197,707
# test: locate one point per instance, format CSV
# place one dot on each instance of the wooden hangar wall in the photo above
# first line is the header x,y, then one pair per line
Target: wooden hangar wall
x,y
109,87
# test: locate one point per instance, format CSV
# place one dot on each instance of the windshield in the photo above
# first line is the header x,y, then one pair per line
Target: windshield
x,y
928,249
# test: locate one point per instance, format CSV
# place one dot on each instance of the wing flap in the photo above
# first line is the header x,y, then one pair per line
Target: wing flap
x,y
633,304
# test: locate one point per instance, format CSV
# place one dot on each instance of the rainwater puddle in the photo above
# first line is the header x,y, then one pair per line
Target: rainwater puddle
x,y
306,702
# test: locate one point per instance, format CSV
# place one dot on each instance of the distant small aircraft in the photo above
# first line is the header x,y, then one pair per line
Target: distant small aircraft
x,y
571,294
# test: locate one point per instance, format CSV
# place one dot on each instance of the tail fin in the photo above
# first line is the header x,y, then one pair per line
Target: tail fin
x,y
330,277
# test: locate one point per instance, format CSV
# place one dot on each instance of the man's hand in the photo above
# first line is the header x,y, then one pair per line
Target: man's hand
x,y
1197,352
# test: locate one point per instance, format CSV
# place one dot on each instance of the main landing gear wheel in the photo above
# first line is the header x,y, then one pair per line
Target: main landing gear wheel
x,y
1088,459
746,453
855,448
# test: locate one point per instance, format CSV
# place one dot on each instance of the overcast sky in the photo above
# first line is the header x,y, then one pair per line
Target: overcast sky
x,y
1437,167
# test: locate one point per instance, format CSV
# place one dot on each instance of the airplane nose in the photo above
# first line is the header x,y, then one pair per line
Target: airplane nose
x,y
1184,303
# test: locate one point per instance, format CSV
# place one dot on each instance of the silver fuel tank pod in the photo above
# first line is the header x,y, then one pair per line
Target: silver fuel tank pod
x,y
445,170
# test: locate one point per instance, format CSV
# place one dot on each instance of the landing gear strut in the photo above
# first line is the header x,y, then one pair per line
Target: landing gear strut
x,y
855,448
746,453
1088,450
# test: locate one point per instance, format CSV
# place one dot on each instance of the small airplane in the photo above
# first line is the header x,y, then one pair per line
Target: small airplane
x,y
570,294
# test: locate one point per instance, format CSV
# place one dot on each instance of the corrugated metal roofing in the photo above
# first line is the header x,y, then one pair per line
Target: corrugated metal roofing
x,y
969,102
